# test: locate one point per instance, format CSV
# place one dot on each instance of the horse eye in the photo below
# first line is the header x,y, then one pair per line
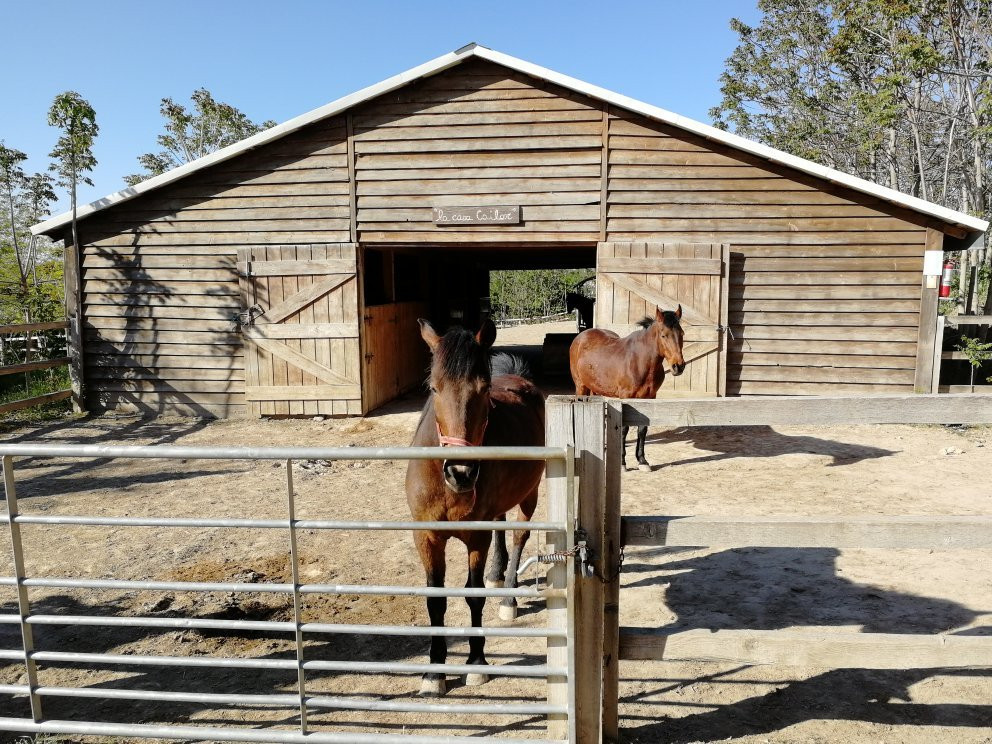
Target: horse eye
x,y
433,389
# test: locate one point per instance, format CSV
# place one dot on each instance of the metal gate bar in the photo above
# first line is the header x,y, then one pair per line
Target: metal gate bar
x,y
73,657
266,736
304,701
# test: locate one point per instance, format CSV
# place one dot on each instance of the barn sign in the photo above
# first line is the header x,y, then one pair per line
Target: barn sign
x,y
476,215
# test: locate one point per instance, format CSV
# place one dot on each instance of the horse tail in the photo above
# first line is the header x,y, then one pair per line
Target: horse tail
x,y
510,364
645,322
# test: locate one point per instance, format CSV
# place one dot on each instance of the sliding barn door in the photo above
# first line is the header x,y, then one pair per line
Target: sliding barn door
x,y
300,330
634,278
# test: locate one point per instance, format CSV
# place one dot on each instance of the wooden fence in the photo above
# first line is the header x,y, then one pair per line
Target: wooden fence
x,y
940,355
594,427
29,366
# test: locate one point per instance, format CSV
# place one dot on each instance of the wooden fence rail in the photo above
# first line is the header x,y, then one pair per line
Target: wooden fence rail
x,y
11,369
594,427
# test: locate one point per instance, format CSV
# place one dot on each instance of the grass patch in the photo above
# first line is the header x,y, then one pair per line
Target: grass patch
x,y
32,384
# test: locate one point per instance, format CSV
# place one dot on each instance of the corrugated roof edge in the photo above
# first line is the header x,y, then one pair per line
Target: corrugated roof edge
x,y
445,61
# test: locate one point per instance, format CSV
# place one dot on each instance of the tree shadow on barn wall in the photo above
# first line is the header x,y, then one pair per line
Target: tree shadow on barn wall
x,y
728,442
776,588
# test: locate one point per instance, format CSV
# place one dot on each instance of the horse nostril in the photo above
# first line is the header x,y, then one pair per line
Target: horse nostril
x,y
677,369
461,476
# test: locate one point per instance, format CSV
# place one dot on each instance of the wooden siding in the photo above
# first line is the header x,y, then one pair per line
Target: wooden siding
x,y
160,282
478,135
824,290
824,284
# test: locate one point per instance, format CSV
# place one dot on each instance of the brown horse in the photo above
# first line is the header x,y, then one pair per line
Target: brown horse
x,y
602,363
473,401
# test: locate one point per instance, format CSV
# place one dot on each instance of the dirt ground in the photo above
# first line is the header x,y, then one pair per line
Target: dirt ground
x,y
851,470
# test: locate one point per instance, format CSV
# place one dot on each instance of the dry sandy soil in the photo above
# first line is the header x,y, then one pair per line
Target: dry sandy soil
x,y
868,470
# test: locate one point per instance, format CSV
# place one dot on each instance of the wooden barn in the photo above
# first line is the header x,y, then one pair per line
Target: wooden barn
x,y
283,275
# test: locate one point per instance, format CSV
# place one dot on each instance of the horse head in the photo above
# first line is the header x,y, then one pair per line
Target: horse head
x,y
670,337
460,379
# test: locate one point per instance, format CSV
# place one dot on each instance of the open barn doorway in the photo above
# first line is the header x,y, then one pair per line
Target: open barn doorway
x,y
454,285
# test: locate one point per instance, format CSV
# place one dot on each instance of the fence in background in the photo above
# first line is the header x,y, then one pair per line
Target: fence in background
x,y
24,335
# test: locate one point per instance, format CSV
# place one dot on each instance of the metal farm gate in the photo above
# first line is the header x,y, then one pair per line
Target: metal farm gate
x,y
558,709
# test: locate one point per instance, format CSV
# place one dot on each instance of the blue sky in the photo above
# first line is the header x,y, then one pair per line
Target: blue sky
x,y
276,60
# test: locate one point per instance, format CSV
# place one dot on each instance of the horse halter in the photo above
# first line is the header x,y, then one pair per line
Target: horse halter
x,y
458,441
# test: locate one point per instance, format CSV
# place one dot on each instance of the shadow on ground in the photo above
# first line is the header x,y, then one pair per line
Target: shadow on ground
x,y
775,588
728,442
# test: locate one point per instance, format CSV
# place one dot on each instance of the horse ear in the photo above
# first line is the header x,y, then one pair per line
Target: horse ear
x,y
428,333
678,312
487,334
659,314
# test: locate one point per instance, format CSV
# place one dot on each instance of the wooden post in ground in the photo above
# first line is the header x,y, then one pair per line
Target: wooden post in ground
x,y
590,449
612,547
560,650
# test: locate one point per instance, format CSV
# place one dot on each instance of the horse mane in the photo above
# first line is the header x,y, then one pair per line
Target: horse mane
x,y
667,315
460,355
510,364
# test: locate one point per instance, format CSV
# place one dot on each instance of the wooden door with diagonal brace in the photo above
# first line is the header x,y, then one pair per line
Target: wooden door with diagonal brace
x,y
300,330
633,278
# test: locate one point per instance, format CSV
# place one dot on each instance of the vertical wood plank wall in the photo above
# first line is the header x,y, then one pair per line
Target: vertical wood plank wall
x,y
159,278
824,282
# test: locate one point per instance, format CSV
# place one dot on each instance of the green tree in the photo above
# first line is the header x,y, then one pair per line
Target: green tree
x,y
894,91
192,133
73,153
26,201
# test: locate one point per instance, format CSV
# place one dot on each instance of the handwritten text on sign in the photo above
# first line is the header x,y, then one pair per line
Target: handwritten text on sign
x,y
476,215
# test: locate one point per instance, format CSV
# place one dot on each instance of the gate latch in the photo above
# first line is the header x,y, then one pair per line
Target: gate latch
x,y
582,552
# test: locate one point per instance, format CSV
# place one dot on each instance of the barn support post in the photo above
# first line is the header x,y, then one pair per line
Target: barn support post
x,y
938,353
929,290
72,278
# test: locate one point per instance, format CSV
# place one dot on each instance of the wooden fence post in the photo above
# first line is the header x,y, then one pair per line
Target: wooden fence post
x,y
611,553
561,690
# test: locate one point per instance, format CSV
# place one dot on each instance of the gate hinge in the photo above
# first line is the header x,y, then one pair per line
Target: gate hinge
x,y
248,317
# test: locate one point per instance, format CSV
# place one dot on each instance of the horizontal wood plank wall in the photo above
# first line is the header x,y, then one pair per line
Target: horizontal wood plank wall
x,y
478,135
824,284
160,278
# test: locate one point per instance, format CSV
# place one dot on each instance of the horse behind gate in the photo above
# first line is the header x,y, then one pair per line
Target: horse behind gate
x,y
473,401
602,363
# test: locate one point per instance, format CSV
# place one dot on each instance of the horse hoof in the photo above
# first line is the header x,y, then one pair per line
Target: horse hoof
x,y
644,467
508,612
433,688
493,584
475,679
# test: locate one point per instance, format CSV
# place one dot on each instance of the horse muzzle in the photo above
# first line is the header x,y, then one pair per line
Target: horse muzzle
x,y
678,369
460,476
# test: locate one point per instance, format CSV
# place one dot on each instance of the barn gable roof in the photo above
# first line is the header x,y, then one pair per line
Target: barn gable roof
x,y
474,51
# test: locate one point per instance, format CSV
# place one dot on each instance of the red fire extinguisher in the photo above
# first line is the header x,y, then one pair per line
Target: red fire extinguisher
x,y
945,280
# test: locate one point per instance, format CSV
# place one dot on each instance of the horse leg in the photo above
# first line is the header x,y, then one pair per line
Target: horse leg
x,y
497,563
478,548
642,463
431,549
508,607
623,449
